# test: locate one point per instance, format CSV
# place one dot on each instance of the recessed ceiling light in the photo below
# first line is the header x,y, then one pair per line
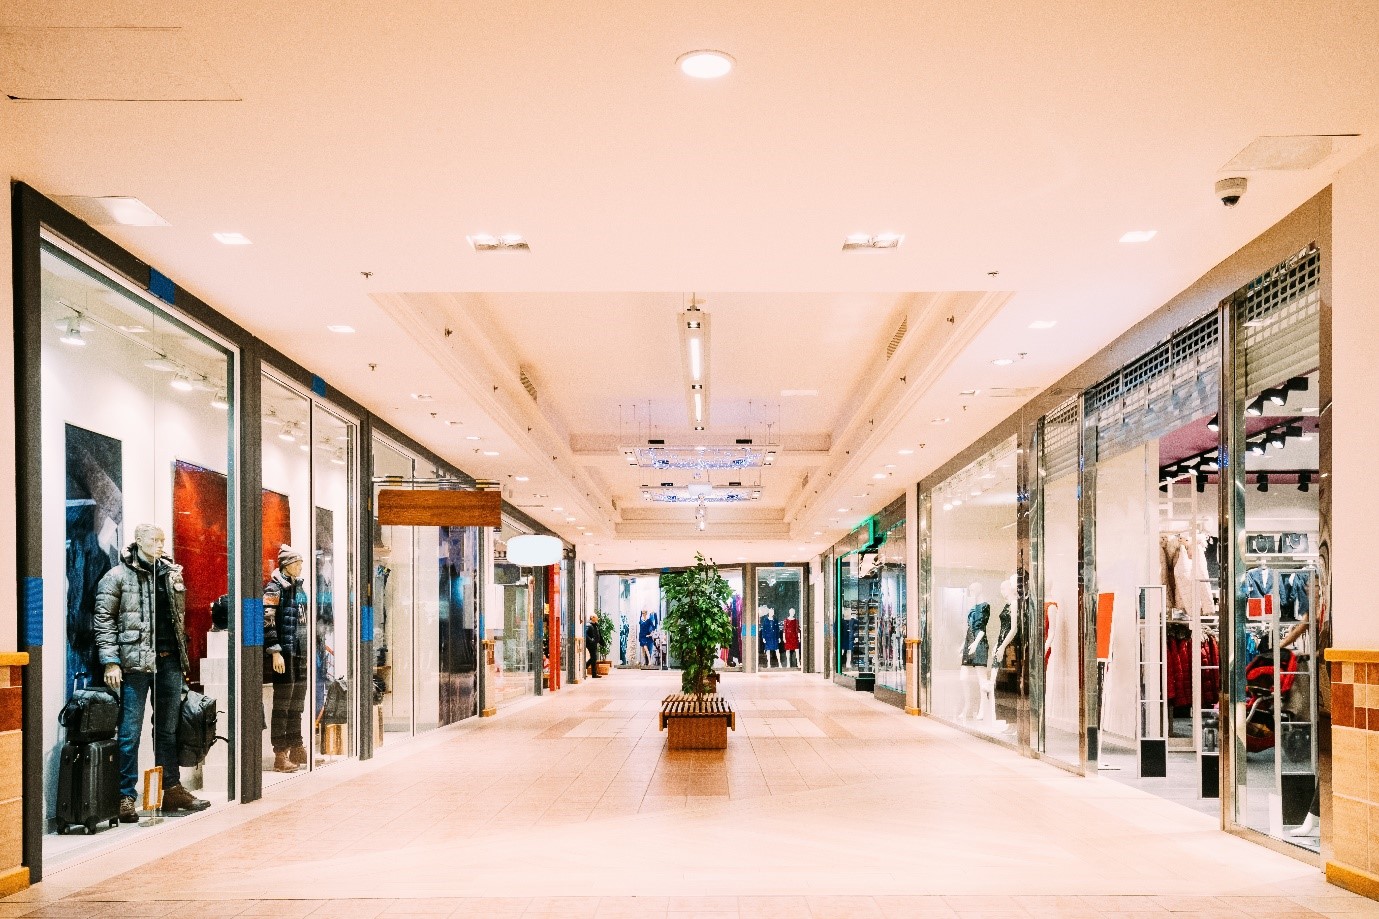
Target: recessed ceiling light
x,y
341,329
855,241
231,239
490,453
969,392
557,509
1042,324
818,532
705,64
844,510
890,465
938,421
116,209
508,242
522,478
878,475
1003,361
1139,236
569,520
422,396
472,437
793,393
905,451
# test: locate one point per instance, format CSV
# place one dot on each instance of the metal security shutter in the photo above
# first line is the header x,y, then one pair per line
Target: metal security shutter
x,y
1176,380
1278,317
1060,441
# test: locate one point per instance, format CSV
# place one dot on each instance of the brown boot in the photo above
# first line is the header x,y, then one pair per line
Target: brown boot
x,y
178,798
297,755
282,762
129,813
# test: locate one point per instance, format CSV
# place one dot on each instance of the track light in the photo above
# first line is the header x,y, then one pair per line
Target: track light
x,y
72,333
1256,447
182,382
1255,408
221,400
1263,482
1276,396
1201,482
1292,430
1304,481
1214,424
1297,384
1277,438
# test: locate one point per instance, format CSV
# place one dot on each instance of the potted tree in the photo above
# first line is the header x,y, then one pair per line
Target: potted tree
x,y
696,621
604,624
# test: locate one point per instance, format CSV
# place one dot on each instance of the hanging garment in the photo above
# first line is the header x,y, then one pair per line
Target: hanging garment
x,y
1212,553
1259,582
770,634
1211,671
1005,628
847,634
791,634
1168,556
975,651
1293,600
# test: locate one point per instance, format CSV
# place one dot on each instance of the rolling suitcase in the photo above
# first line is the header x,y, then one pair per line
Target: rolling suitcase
x,y
88,789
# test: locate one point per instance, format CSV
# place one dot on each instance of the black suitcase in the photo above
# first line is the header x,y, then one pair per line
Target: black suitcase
x,y
88,786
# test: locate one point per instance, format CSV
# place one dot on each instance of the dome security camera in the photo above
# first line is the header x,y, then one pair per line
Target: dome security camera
x,y
1231,190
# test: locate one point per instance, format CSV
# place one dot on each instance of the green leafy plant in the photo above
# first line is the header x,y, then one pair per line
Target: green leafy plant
x,y
696,620
604,624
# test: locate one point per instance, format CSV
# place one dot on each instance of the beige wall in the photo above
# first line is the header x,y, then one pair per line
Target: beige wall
x,y
1355,441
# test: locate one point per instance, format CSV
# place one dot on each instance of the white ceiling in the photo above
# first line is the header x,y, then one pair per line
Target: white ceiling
x,y
1022,138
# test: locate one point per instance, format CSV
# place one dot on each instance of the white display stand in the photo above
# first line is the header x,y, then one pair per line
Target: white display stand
x,y
215,680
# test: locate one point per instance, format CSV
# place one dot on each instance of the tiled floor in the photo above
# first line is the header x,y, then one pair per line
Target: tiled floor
x,y
826,804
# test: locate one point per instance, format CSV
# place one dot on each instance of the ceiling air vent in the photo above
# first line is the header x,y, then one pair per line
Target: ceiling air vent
x,y
527,382
898,337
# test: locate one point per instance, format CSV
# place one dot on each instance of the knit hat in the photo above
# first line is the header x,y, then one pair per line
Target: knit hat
x,y
287,555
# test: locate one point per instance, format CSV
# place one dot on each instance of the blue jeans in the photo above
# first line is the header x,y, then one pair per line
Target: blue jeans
x,y
167,700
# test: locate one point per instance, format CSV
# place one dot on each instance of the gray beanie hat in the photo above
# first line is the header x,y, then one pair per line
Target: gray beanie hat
x,y
287,555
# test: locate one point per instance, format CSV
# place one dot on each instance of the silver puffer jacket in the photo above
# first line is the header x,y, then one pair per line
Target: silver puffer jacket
x,y
125,613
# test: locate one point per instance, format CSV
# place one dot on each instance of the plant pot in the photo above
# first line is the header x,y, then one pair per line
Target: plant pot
x,y
603,667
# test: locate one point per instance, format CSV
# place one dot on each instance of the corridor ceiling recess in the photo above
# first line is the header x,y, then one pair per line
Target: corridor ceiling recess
x,y
512,205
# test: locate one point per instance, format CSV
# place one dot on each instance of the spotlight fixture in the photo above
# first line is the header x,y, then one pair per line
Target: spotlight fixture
x,y
1201,482
1256,447
288,433
1276,396
1214,424
1292,430
1277,439
1255,408
162,364
72,330
705,64
1297,384
1263,480
183,382
1304,481
221,400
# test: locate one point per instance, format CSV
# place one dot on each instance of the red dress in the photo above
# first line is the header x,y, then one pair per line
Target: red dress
x,y
791,639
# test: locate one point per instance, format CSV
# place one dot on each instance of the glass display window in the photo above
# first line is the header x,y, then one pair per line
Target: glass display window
x,y
780,631
634,602
513,627
892,617
310,533
974,616
138,455
394,589
1278,616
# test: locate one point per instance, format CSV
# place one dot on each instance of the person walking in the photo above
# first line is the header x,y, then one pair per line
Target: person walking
x,y
591,644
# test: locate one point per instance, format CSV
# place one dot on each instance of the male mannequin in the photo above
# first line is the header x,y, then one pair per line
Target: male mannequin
x,y
141,640
624,630
285,629
790,639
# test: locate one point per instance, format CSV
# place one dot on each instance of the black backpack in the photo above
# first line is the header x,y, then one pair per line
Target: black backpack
x,y
336,709
196,719
91,714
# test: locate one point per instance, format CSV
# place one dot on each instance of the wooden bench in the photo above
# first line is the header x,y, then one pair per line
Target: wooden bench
x,y
696,722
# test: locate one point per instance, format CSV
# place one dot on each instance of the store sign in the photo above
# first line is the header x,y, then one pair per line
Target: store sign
x,y
406,507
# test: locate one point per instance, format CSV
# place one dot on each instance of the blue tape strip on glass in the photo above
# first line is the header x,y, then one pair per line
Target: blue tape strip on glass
x,y
161,286
366,623
318,385
33,611
252,631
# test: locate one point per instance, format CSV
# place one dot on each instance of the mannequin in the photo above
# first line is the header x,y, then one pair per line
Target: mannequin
x,y
790,639
624,630
141,641
770,631
847,630
1010,627
976,655
645,627
285,629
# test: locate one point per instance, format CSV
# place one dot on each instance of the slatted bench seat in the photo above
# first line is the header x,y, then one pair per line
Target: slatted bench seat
x,y
696,722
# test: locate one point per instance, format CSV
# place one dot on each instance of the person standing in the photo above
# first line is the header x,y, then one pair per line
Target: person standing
x,y
591,644
141,641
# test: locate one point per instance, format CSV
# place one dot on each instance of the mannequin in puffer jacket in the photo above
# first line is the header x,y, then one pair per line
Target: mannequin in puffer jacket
x,y
140,628
285,630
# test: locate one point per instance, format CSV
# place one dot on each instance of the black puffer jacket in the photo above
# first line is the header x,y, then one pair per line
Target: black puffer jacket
x,y
285,628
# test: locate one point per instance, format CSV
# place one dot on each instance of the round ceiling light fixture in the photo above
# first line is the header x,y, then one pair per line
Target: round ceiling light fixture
x,y
532,551
705,64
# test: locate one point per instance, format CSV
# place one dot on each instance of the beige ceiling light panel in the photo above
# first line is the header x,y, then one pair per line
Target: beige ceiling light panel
x,y
112,211
1289,151
123,64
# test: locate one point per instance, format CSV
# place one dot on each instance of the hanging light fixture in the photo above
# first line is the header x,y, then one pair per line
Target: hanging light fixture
x,y
182,382
530,551
221,400
72,330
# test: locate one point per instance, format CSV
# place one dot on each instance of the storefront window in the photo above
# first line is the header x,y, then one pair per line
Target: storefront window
x,y
459,623
426,616
394,588
136,419
974,612
891,610
513,626
1277,610
779,602
634,601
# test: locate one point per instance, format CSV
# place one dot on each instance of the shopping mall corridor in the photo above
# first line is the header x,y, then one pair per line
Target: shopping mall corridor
x,y
826,804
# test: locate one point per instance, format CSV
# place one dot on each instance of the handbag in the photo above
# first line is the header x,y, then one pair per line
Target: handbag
x,y
91,714
336,709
